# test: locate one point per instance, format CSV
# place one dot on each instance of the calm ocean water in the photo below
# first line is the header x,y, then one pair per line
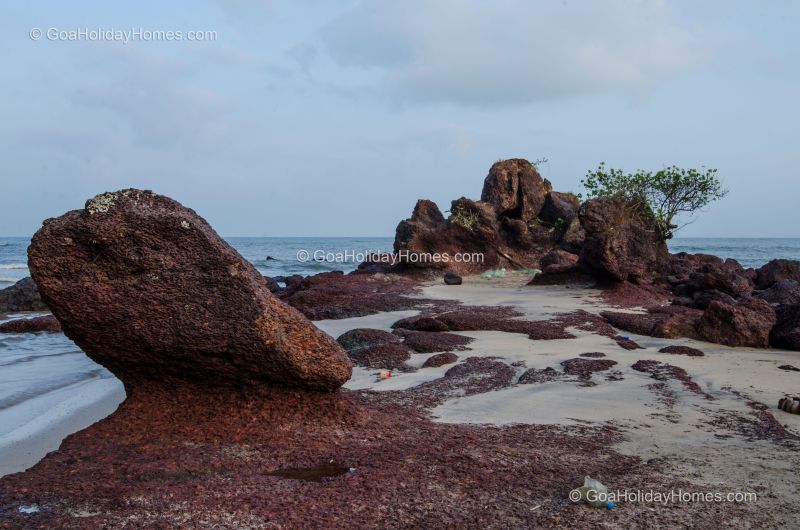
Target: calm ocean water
x,y
331,252
44,376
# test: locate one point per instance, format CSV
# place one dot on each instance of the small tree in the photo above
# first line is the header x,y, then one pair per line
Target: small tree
x,y
665,194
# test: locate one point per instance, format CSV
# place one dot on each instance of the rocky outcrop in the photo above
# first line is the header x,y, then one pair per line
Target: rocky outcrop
x,y
517,220
786,332
515,189
748,323
47,323
149,290
621,242
22,296
777,270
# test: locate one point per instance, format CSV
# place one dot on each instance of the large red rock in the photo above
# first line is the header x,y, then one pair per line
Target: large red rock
x,y
777,270
515,189
747,323
621,242
149,290
559,209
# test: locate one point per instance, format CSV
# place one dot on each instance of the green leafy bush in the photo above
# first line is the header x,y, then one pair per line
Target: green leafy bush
x,y
665,195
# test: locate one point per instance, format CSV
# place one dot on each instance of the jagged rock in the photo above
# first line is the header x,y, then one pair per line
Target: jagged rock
x,y
621,242
702,299
451,278
22,296
786,332
573,238
515,189
670,322
783,292
425,217
777,270
727,277
747,323
46,323
560,258
471,228
149,290
272,284
559,209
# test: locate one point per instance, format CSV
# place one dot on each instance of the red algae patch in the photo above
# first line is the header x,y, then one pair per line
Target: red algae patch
x,y
333,295
440,359
682,350
584,368
430,342
664,372
485,318
185,458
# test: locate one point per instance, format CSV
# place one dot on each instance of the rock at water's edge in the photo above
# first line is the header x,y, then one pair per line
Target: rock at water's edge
x,y
149,290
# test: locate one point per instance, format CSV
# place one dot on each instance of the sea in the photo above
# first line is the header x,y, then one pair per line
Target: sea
x,y
45,379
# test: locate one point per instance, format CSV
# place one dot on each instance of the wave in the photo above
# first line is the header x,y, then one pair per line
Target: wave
x,y
31,358
33,392
13,266
8,280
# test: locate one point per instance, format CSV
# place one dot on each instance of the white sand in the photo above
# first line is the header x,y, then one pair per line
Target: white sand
x,y
43,422
710,456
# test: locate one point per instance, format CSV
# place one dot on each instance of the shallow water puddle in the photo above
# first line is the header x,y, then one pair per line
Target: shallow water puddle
x,y
312,474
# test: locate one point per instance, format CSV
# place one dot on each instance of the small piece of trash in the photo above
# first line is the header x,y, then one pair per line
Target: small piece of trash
x,y
593,492
385,374
29,509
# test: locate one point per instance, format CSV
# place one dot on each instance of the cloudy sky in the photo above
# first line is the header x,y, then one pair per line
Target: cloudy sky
x,y
314,117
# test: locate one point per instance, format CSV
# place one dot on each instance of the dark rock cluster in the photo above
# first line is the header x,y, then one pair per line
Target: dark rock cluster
x,y
517,221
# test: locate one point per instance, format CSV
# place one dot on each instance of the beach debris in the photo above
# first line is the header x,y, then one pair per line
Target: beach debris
x,y
155,303
385,374
451,278
789,368
790,404
32,508
593,492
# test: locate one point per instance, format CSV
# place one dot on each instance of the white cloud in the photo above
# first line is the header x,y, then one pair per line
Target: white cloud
x,y
509,52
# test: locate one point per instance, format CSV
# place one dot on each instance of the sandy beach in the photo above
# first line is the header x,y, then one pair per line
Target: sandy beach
x,y
707,425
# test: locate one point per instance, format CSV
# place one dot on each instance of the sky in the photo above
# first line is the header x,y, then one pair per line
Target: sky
x,y
331,118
